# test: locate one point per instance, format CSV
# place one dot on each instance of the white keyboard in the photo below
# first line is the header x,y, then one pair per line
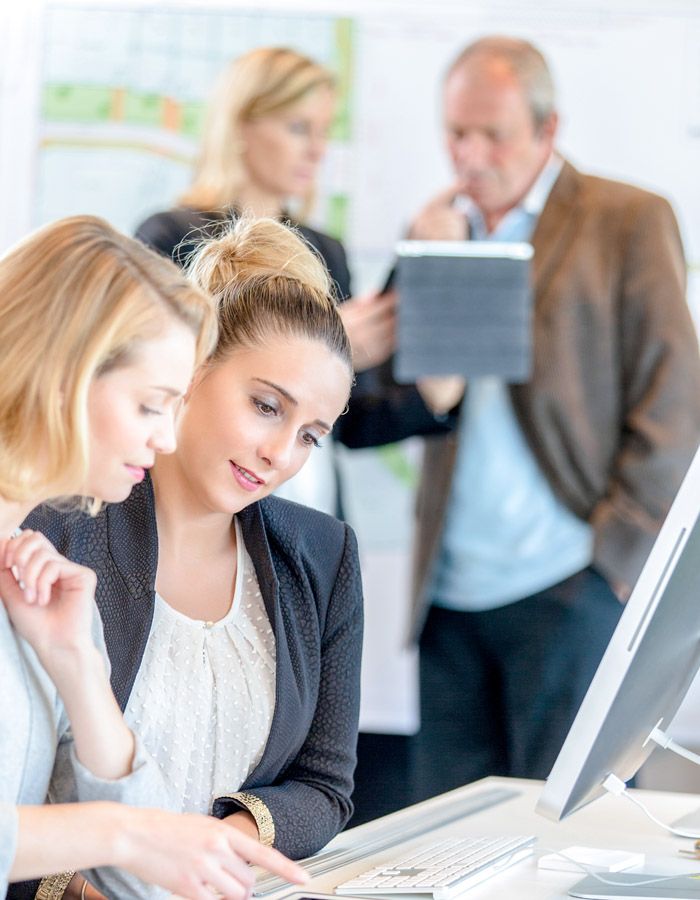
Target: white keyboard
x,y
443,870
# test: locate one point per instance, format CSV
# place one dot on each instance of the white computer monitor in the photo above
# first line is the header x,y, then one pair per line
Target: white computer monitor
x,y
647,668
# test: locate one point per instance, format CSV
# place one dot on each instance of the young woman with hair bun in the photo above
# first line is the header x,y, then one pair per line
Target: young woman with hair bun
x,y
99,340
233,618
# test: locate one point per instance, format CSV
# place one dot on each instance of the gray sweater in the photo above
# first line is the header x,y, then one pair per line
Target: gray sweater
x,y
38,760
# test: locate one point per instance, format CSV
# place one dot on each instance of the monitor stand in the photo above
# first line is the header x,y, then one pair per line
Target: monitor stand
x,y
637,885
690,820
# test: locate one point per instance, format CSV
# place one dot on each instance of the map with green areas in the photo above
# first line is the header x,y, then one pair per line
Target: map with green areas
x,y
124,94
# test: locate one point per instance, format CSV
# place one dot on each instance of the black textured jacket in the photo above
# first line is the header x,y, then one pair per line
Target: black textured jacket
x,y
308,569
177,232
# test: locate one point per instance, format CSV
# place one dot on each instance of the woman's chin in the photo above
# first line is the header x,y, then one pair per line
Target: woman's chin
x,y
111,493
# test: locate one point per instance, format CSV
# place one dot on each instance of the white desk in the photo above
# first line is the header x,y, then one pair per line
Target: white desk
x,y
610,822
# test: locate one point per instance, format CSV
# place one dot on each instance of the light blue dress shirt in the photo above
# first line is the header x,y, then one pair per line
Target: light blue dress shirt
x,y
506,534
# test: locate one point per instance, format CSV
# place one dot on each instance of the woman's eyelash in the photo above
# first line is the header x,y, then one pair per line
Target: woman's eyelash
x,y
149,411
265,408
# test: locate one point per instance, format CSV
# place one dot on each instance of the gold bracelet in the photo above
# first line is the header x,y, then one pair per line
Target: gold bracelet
x,y
262,815
53,886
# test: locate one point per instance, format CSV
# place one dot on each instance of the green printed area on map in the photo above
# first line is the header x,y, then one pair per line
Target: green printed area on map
x,y
143,109
337,215
396,461
90,104
343,67
77,103
193,119
98,104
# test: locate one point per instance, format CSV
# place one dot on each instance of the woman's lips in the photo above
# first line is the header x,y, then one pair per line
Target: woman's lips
x,y
138,473
248,480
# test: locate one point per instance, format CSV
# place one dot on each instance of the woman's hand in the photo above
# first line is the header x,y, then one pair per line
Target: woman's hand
x,y
195,856
80,889
49,599
190,855
370,321
245,822
51,604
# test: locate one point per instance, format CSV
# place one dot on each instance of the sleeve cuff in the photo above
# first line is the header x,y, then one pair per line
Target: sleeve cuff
x,y
53,887
256,807
143,786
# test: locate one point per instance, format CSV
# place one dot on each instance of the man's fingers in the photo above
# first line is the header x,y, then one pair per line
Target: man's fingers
x,y
447,197
439,221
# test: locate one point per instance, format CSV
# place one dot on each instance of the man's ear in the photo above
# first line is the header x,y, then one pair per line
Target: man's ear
x,y
548,129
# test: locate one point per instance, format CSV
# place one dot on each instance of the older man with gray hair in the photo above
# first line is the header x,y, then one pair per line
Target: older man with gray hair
x,y
536,512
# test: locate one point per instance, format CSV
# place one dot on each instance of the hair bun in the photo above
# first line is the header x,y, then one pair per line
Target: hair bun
x,y
257,249
268,281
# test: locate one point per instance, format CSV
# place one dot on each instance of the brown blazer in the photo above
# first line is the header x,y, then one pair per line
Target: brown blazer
x,y
612,411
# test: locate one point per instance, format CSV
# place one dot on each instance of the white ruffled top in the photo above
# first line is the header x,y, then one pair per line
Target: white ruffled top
x,y
204,695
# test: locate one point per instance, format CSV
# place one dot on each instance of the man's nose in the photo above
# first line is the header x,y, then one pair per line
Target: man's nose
x,y
471,151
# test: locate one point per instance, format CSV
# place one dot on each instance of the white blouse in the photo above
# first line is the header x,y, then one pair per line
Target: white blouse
x,y
204,695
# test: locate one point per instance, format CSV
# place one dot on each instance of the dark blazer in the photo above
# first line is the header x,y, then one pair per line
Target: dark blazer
x,y
308,569
612,410
177,232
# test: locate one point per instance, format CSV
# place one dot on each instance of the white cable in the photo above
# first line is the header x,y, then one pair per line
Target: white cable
x,y
615,786
667,743
589,870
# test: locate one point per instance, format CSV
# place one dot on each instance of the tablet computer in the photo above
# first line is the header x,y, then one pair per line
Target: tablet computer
x,y
465,308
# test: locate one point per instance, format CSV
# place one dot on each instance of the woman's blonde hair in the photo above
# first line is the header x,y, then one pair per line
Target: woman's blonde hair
x,y
76,299
263,82
268,281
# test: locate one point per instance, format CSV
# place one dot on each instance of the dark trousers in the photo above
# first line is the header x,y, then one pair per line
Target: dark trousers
x,y
500,688
383,777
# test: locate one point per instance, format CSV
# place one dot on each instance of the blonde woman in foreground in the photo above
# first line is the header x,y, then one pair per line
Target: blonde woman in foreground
x,y
99,338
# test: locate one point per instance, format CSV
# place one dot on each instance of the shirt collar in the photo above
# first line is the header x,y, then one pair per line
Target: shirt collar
x,y
536,197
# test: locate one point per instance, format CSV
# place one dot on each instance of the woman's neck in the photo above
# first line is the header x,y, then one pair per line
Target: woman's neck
x,y
12,514
259,202
183,520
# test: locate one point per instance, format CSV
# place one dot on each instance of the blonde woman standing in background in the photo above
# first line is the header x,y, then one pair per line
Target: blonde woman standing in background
x,y
264,138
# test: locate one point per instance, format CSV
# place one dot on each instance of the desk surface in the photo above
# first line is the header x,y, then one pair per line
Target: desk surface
x,y
610,822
